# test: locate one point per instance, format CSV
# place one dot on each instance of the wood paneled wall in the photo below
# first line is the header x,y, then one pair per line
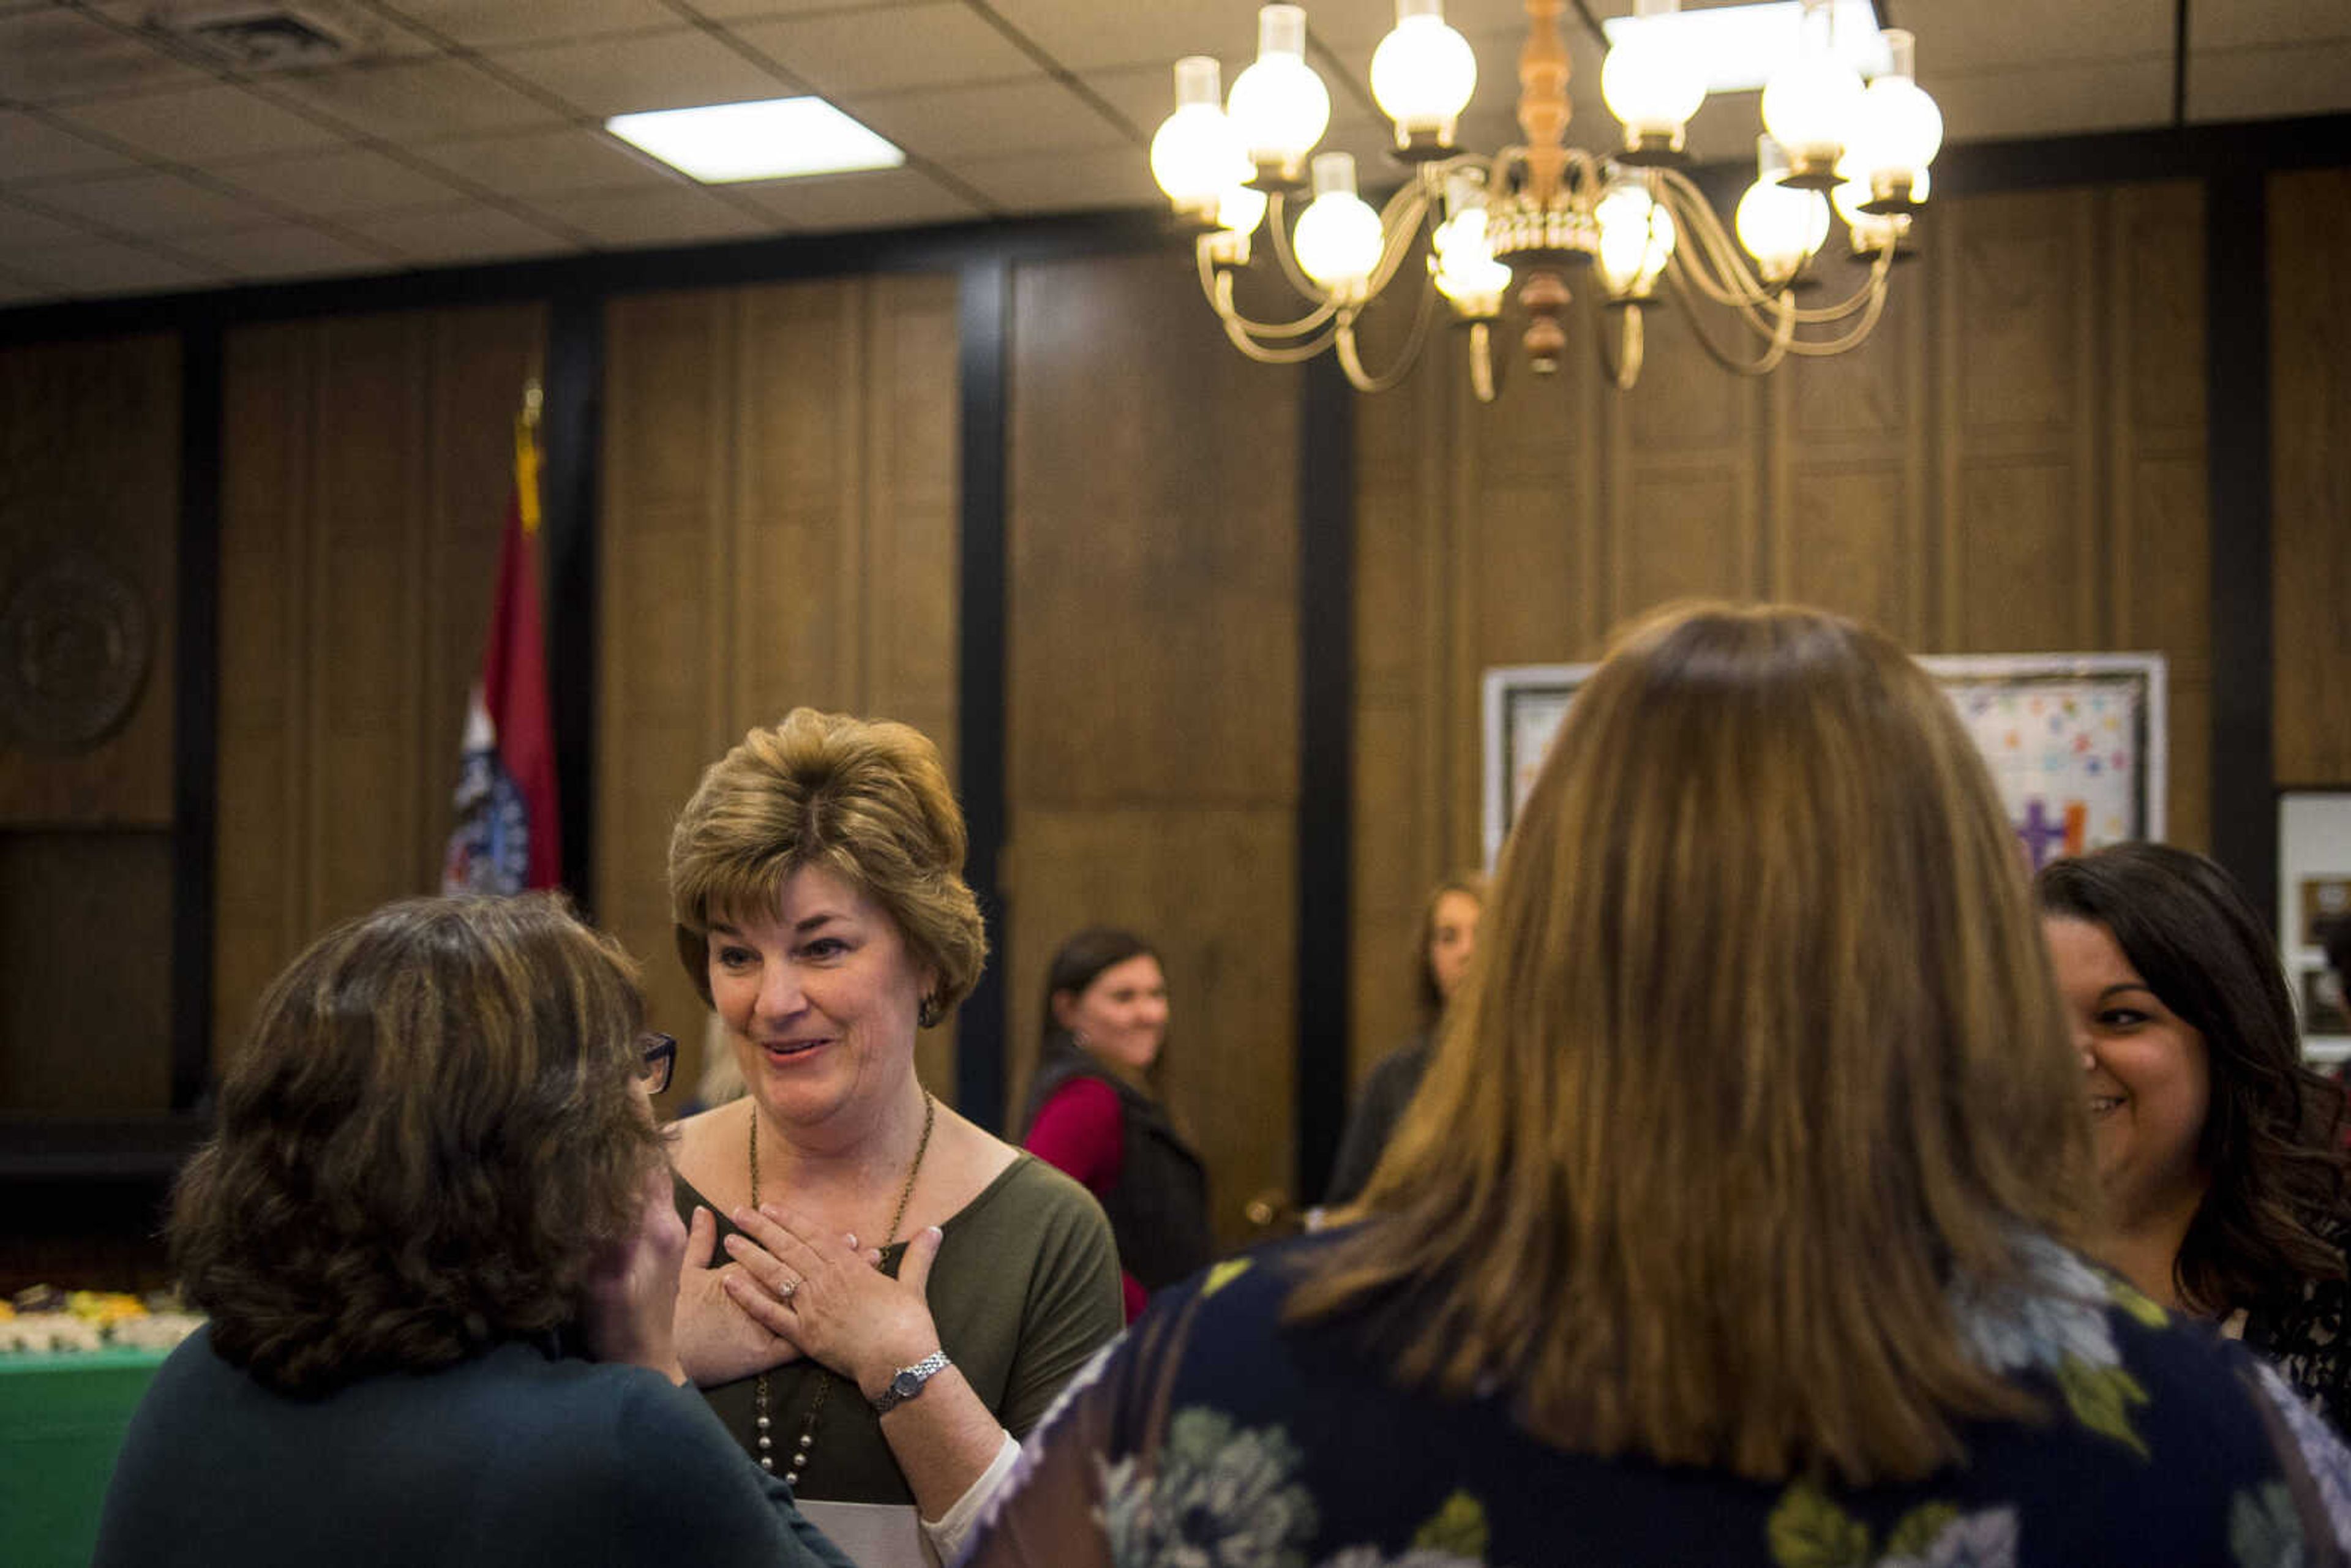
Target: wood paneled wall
x,y
2014,463
89,468
368,463
779,527
1153,685
2310,415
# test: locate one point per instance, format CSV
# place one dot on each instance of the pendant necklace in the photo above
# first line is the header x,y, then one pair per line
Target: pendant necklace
x,y
761,1419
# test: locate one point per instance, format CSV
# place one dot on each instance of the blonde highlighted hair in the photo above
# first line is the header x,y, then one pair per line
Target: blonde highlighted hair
x,y
868,800
1758,1051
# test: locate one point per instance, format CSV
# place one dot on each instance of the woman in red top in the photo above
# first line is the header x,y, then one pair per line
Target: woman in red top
x,y
1094,1112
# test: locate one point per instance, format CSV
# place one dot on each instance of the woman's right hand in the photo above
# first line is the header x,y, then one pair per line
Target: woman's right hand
x,y
718,1341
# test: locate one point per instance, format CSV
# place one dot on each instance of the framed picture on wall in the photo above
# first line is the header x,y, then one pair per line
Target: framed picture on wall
x,y
2076,742
2314,890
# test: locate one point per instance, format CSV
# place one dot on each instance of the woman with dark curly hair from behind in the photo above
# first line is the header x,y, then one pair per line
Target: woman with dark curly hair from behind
x,y
434,1238
2219,1150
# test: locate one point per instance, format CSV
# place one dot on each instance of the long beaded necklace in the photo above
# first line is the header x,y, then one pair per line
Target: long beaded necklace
x,y
761,1419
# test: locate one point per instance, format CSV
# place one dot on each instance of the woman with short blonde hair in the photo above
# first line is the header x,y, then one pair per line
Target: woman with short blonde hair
x,y
901,1293
1731,1224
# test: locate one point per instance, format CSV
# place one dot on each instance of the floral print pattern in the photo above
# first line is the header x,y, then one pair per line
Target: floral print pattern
x,y
1222,1497
2057,1322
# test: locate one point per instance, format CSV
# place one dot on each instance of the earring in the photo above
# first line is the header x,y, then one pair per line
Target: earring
x,y
928,1015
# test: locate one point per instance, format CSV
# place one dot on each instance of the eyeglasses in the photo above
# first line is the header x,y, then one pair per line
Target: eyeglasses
x,y
659,1061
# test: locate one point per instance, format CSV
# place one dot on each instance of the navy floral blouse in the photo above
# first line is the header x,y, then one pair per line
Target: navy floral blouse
x,y
1214,1435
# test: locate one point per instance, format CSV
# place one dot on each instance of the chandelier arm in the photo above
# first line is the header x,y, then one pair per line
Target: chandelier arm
x,y
1351,361
1287,257
1218,287
1400,220
1483,382
1281,354
1719,270
1624,364
1780,335
1821,348
1870,297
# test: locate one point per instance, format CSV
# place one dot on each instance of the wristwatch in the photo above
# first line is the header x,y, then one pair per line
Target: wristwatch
x,y
907,1382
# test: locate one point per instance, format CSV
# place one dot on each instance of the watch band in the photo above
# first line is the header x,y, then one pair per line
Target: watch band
x,y
908,1380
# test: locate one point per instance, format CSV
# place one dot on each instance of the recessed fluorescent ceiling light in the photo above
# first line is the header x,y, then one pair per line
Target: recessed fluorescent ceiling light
x,y
1744,46
775,139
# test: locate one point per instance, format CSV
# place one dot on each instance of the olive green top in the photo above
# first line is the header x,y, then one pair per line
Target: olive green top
x,y
1025,1289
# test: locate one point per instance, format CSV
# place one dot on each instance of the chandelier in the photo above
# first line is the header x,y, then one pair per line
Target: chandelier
x,y
1528,217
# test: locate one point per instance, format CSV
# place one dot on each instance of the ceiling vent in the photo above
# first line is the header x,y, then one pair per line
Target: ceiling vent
x,y
265,37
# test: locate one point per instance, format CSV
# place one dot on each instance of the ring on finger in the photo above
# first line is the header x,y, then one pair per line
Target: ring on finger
x,y
785,1293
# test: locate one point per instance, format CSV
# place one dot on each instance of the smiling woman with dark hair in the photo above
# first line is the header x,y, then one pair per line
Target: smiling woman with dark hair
x,y
2218,1149
434,1240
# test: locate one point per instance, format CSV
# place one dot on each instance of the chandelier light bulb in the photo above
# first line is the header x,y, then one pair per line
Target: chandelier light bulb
x,y
1461,259
1873,231
1779,224
1423,73
1338,240
1279,105
1650,86
1196,153
1809,107
1896,128
1636,239
1240,209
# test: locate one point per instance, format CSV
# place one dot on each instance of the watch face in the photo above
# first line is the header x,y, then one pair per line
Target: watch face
x,y
907,1384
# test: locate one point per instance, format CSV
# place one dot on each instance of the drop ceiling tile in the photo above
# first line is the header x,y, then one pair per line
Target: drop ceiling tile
x,y
283,250
195,124
673,69
24,290
887,198
1144,95
1091,33
761,10
49,55
91,271
539,161
2054,100
1980,37
488,24
467,231
32,149
681,214
151,205
418,101
324,184
2309,77
2253,22
918,46
991,121
1049,182
22,229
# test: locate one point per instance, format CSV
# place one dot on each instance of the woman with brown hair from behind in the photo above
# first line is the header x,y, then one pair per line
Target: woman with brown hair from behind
x,y
435,1239
1733,1222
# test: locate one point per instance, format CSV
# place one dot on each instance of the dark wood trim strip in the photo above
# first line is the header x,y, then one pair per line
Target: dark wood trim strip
x,y
571,427
984,310
1326,699
195,711
2238,458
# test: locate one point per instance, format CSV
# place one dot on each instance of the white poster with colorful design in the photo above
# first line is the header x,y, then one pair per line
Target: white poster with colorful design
x,y
2076,742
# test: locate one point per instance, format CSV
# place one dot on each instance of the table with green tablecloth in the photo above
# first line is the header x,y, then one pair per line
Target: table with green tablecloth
x,y
62,1417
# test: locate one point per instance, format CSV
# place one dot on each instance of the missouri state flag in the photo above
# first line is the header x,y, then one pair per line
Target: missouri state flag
x,y
506,837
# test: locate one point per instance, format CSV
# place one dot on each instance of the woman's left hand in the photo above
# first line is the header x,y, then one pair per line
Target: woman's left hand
x,y
818,1290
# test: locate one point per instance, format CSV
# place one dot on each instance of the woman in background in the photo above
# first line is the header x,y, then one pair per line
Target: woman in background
x,y
1094,1113
1730,1225
434,1240
1448,936
2219,1150
902,1294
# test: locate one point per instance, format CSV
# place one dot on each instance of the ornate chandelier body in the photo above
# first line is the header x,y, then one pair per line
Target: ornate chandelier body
x,y
1529,218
